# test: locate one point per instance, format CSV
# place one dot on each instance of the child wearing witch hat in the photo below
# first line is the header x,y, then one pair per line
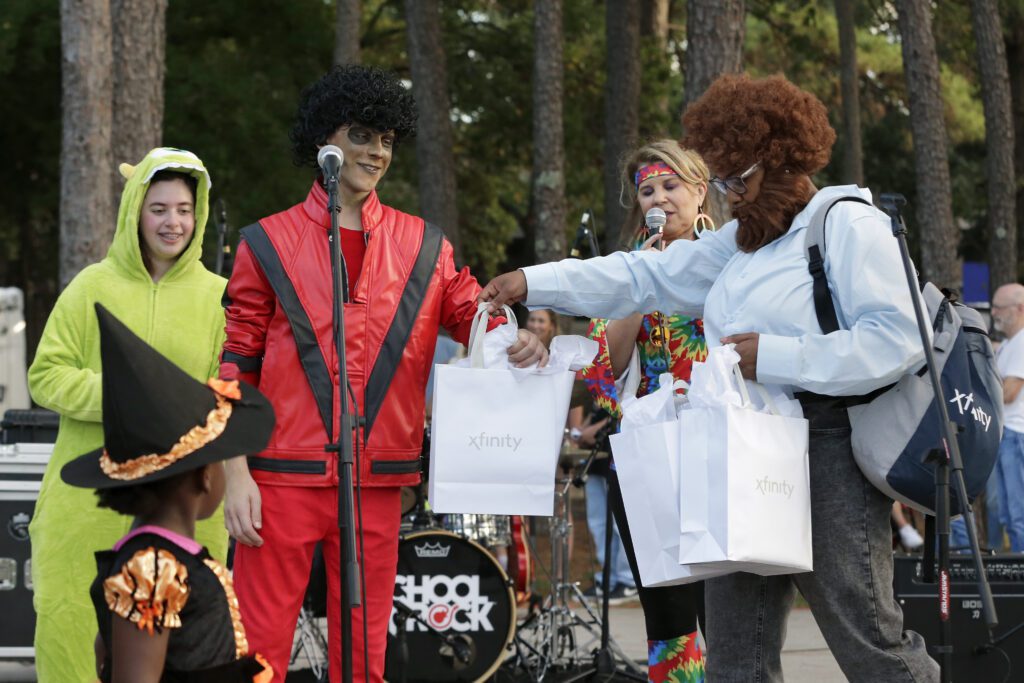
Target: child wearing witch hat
x,y
166,610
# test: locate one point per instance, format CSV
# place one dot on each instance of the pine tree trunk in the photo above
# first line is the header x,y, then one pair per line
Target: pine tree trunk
x,y
715,31
934,212
654,37
621,107
434,157
1015,62
139,37
548,182
995,91
346,32
86,206
849,82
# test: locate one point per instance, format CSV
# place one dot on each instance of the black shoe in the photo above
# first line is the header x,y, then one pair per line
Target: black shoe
x,y
594,592
623,594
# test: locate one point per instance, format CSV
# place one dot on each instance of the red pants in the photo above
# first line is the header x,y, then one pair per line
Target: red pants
x,y
271,580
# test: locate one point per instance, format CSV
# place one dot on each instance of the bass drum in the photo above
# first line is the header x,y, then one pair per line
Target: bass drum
x,y
454,588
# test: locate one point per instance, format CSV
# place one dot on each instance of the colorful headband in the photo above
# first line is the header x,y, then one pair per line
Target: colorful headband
x,y
658,168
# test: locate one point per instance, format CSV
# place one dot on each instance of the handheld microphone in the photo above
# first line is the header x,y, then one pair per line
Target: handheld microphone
x,y
329,159
655,220
581,234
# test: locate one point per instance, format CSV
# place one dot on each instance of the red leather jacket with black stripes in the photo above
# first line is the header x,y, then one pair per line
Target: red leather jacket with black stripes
x,y
279,320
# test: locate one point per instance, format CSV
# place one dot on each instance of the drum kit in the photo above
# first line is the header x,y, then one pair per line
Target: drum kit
x,y
464,609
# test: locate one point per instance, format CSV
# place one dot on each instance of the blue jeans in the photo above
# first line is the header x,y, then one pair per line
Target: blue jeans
x,y
995,518
1011,486
597,504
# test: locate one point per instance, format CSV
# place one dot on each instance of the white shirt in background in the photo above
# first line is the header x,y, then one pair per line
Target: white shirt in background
x,y
1010,363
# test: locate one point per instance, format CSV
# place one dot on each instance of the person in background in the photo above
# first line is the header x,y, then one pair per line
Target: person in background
x,y
153,281
907,533
1004,492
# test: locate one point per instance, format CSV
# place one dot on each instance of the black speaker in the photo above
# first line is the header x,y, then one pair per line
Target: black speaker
x,y
973,659
21,472
36,425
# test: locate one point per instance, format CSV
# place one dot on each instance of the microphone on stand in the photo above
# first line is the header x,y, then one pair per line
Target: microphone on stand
x,y
329,159
655,219
582,234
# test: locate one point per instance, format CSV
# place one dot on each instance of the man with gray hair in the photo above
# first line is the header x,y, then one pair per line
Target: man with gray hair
x,y
1008,318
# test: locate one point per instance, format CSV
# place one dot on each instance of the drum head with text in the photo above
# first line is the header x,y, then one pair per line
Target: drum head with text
x,y
457,589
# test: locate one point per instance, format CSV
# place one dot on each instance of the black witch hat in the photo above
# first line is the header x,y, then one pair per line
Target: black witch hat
x,y
158,421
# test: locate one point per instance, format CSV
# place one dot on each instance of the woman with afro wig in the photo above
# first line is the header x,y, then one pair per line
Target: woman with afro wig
x,y
763,140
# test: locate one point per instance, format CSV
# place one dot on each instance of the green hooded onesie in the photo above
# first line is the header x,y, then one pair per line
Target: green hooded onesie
x,y
181,316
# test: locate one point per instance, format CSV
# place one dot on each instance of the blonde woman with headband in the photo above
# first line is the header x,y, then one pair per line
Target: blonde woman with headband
x,y
659,175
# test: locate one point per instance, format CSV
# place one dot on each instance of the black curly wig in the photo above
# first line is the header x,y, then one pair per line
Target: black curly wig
x,y
346,94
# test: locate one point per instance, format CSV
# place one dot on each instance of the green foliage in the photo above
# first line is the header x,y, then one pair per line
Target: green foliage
x,y
235,70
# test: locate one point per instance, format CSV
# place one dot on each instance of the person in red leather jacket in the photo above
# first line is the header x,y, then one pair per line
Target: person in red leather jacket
x,y
402,286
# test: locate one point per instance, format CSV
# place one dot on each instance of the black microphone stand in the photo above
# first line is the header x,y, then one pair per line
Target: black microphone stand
x,y
350,583
604,658
222,237
947,461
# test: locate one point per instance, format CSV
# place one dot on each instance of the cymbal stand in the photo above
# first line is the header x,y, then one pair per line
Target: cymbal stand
x,y
547,640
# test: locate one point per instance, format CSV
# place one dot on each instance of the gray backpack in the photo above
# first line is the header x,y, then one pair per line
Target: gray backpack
x,y
896,427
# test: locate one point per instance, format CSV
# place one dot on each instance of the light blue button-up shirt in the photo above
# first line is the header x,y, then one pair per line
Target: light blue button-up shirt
x,y
769,291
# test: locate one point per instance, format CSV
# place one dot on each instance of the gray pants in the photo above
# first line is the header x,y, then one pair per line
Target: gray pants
x,y
850,590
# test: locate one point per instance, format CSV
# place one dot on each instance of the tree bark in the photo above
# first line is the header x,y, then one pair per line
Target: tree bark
x,y
434,156
999,137
1015,62
548,182
849,83
715,31
939,238
621,107
654,20
346,32
86,206
139,38
654,23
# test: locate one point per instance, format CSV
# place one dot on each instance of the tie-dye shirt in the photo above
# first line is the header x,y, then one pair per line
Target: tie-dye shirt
x,y
671,346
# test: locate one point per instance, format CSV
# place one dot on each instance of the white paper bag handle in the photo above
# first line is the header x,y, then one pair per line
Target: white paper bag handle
x,y
479,329
741,384
768,400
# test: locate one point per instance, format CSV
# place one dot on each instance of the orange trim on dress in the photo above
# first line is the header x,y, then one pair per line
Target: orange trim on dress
x,y
150,591
193,440
241,642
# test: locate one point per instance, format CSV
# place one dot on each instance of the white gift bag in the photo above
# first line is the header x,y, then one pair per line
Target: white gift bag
x,y
496,432
646,462
745,500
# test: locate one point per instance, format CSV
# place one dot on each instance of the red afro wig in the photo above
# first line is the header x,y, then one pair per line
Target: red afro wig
x,y
739,120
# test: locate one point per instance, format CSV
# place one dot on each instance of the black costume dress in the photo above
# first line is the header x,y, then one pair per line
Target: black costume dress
x,y
156,583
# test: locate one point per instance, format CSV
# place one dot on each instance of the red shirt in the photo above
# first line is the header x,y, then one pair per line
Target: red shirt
x,y
353,249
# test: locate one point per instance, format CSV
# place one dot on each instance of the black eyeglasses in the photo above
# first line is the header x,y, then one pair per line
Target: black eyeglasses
x,y
736,183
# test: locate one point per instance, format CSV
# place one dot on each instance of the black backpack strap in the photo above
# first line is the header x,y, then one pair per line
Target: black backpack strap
x,y
313,362
824,307
390,355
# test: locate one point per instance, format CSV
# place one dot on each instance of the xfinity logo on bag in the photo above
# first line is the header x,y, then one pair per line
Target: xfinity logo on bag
x,y
766,486
485,440
963,403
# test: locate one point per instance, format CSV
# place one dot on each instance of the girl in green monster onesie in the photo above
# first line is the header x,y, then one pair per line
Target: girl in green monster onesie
x,y
153,281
